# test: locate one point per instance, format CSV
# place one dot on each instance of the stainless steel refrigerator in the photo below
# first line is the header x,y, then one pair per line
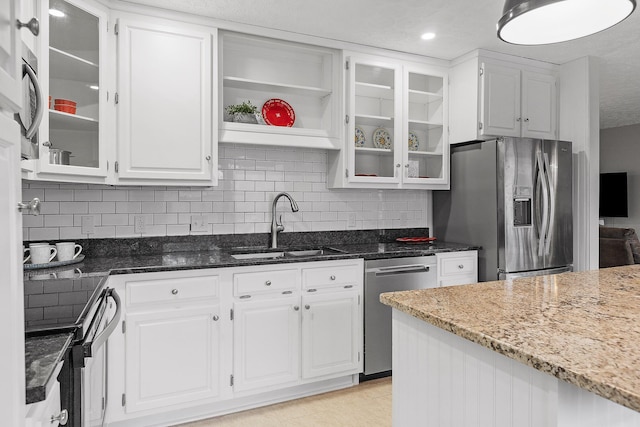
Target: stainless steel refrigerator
x,y
513,197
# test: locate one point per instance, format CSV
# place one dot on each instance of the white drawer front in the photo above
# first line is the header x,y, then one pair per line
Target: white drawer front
x,y
331,276
457,265
174,289
264,281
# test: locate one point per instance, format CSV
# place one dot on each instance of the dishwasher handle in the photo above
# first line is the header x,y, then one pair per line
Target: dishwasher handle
x,y
400,269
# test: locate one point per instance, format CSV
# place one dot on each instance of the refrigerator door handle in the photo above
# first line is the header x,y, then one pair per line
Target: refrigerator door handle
x,y
551,206
545,204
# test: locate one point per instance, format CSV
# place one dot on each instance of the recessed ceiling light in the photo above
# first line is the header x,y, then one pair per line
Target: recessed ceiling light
x,y
57,13
536,22
94,87
428,36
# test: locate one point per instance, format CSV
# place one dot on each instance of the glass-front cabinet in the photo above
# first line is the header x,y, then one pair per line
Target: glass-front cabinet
x,y
72,141
395,135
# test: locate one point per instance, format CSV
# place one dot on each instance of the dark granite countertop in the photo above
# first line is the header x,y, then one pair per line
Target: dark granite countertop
x,y
42,355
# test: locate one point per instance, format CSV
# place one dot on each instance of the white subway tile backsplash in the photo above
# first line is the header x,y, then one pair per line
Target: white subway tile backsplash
x,y
241,203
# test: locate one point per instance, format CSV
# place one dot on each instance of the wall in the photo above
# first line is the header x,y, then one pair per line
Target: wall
x,y
241,203
620,152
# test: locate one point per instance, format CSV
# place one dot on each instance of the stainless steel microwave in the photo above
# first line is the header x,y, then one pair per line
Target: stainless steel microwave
x,y
30,115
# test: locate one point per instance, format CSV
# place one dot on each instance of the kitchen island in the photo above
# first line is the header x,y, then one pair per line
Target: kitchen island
x,y
559,350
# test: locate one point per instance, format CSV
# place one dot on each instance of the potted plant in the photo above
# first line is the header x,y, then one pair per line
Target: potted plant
x,y
242,113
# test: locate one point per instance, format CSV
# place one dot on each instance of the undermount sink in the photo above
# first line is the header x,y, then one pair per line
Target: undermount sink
x,y
271,254
258,255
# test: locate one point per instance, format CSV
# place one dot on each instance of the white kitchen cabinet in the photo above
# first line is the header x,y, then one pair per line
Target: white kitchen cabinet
x,y
395,132
257,69
170,350
11,54
46,413
266,342
331,332
165,105
73,66
457,268
491,97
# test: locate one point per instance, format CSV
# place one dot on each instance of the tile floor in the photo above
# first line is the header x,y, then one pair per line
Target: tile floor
x,y
365,405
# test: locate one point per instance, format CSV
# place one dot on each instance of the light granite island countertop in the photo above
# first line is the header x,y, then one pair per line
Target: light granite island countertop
x,y
581,328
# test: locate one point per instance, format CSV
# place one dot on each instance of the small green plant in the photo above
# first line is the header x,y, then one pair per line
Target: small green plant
x,y
245,107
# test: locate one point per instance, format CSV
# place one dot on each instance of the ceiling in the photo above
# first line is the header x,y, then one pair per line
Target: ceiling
x,y
460,25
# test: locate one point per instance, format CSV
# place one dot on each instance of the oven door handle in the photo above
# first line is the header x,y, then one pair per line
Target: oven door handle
x,y
102,337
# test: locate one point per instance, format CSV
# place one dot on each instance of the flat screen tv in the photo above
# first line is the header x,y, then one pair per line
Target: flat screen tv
x,y
613,195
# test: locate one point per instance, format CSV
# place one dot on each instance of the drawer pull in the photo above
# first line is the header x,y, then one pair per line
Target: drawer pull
x,y
267,283
287,292
216,318
174,291
245,296
296,308
311,290
348,286
333,277
307,306
460,266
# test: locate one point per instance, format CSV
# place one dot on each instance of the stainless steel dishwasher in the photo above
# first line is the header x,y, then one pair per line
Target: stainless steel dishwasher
x,y
389,275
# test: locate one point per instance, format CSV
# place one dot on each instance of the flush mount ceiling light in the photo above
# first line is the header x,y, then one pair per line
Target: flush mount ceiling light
x,y
534,22
428,36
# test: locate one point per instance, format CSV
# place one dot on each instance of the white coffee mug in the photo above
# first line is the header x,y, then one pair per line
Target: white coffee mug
x,y
25,250
42,253
68,251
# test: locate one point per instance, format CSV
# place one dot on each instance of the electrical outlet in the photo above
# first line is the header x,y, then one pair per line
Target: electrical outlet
x,y
199,223
139,224
86,225
351,222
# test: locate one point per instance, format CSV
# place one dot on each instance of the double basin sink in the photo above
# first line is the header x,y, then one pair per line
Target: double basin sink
x,y
263,253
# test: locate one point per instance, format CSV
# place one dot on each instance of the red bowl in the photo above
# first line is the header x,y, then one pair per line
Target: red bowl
x,y
68,102
71,109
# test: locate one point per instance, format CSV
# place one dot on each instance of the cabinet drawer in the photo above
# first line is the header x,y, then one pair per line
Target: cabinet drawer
x,y
457,265
331,276
173,289
264,281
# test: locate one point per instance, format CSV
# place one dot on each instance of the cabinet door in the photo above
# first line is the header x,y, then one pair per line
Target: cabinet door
x,y
538,105
10,56
172,356
331,334
374,132
165,105
74,68
500,93
425,146
266,341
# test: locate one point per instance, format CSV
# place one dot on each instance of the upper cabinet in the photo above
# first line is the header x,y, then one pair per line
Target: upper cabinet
x,y
295,87
10,54
491,97
165,105
73,133
396,115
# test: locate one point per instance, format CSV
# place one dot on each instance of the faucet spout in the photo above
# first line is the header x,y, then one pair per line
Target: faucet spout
x,y
276,226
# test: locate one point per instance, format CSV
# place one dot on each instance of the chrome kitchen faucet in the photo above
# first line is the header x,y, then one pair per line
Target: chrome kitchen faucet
x,y
275,226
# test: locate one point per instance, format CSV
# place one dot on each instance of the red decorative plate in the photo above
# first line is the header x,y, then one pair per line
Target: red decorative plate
x,y
415,240
277,112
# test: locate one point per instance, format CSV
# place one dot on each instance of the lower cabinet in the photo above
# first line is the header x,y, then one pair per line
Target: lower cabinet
x,y
331,331
46,413
171,356
266,343
200,343
457,268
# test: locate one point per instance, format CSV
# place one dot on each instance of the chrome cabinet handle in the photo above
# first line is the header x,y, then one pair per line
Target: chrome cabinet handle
x,y
460,266
332,277
174,291
526,120
31,208
26,69
216,318
267,283
208,158
407,165
307,306
46,144
296,308
33,25
518,119
398,165
61,418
